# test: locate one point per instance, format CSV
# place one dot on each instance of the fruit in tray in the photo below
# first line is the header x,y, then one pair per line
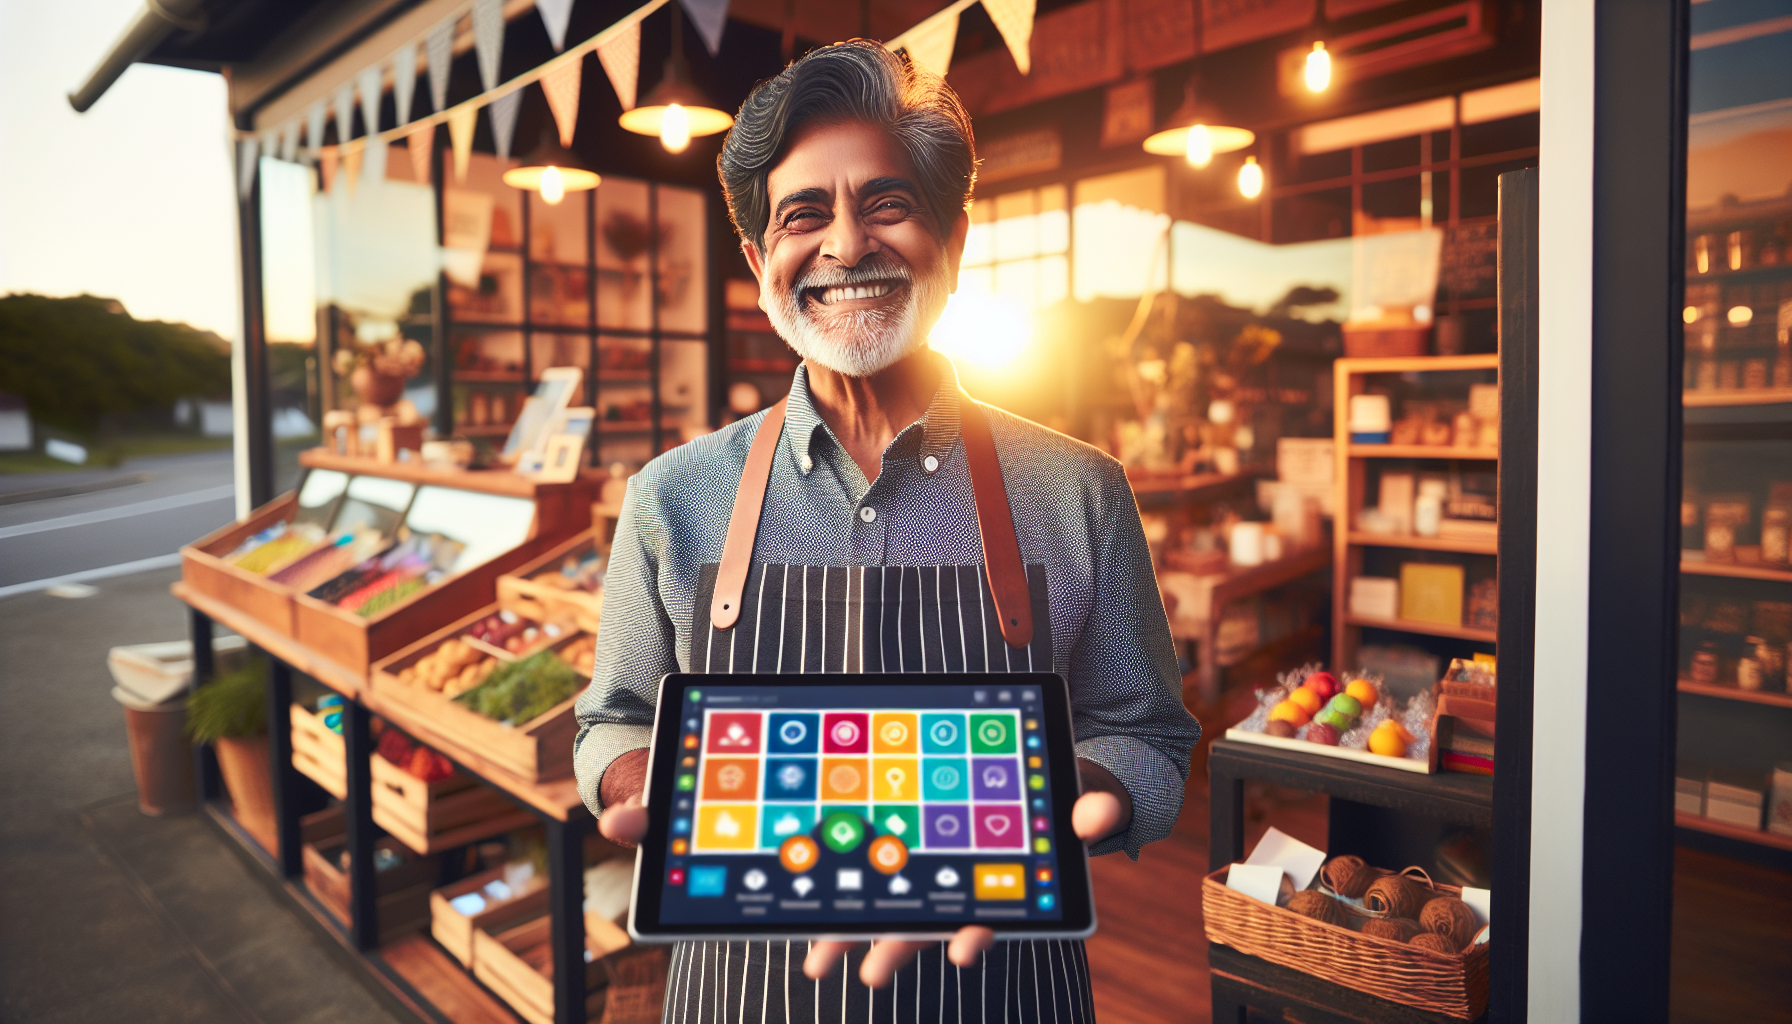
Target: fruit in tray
x,y
581,654
583,571
509,631
1314,706
519,691
414,759
451,669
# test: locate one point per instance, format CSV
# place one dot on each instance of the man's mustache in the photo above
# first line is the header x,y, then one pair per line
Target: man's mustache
x,y
868,270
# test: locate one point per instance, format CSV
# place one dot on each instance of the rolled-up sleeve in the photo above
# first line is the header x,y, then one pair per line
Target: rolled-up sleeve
x,y
1125,686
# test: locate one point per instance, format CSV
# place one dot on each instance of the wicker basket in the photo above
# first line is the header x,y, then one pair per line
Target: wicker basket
x,y
1452,985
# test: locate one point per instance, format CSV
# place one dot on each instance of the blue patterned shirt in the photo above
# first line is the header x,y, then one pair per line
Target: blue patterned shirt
x,y
1074,513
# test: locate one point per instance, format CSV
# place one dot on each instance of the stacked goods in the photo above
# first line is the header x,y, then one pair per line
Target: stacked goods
x,y
378,583
1466,698
275,548
331,560
1357,714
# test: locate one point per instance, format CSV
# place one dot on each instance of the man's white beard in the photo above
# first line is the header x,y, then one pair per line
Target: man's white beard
x,y
858,343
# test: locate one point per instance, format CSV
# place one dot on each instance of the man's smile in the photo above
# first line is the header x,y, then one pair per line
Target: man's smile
x,y
869,292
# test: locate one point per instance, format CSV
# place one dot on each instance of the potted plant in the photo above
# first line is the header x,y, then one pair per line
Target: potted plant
x,y
231,714
377,370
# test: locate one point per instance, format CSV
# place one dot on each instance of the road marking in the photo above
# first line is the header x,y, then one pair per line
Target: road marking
x,y
136,508
103,572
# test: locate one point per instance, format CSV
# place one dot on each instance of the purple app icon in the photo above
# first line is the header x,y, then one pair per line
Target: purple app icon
x,y
946,827
1000,828
994,778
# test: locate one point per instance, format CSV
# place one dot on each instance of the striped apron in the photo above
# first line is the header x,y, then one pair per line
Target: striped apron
x,y
793,618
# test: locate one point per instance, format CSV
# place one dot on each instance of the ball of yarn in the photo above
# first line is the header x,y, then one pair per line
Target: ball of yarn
x,y
1318,906
1396,896
1451,918
1397,929
1436,943
1348,876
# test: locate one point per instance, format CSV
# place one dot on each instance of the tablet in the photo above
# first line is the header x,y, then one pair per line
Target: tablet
x,y
811,806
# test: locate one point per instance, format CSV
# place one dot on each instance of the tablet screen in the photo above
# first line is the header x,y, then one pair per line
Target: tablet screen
x,y
805,805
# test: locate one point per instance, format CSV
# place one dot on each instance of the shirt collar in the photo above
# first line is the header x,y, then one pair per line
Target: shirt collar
x,y
939,424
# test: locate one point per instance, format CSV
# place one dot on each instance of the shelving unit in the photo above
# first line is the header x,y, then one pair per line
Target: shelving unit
x,y
1717,828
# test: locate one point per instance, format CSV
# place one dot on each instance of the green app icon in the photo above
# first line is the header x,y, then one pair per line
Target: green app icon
x,y
992,734
903,822
842,831
687,782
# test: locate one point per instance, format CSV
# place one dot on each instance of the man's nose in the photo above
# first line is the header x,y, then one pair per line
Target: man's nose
x,y
846,239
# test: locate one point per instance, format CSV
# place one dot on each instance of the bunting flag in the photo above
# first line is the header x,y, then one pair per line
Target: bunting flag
x,y
289,141
438,50
555,14
404,81
314,128
503,112
270,143
1014,20
930,43
369,82
246,152
345,113
326,165
709,17
562,88
488,40
421,145
460,136
351,167
621,58
373,169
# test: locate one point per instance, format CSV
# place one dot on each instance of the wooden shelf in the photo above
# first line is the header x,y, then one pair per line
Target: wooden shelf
x,y
1782,700
1736,396
489,377
484,430
623,377
614,427
1486,636
1185,487
1421,451
1718,828
1735,571
1389,540
1419,364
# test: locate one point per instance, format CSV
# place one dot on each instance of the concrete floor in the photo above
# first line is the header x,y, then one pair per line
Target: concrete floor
x,y
106,914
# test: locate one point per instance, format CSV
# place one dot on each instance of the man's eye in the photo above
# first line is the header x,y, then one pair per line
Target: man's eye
x,y
802,219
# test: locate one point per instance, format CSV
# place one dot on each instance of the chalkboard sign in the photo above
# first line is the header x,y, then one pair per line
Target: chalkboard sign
x,y
1469,265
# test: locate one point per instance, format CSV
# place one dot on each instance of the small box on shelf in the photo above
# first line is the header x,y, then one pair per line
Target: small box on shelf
x,y
441,814
516,962
564,585
1689,790
1431,593
452,921
1375,597
1736,798
318,752
1779,804
401,878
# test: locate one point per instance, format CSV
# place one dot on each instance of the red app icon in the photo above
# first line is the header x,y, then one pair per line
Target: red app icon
x,y
1041,825
676,877
846,732
734,732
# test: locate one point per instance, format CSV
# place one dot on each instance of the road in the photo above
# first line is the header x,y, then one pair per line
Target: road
x,y
168,501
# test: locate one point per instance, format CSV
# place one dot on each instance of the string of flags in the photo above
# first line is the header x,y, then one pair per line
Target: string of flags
x,y
618,48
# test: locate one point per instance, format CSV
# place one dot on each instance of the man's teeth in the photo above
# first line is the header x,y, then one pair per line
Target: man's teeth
x,y
866,291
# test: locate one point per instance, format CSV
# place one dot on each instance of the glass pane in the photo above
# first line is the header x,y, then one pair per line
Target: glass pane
x,y
684,287
977,281
1054,279
622,244
1019,282
1054,230
485,525
492,293
1385,156
547,350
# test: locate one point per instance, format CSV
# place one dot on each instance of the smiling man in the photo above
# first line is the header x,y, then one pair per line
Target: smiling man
x,y
848,178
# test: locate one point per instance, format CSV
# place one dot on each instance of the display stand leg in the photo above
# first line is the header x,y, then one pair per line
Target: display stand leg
x,y
1225,820
363,911
280,769
566,907
205,762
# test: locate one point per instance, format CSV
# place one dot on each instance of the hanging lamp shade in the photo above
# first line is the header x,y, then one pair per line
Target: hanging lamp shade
x,y
676,112
551,170
1197,133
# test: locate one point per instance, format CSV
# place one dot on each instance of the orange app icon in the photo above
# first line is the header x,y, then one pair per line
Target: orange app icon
x,y
845,778
728,778
895,732
895,778
1000,881
798,854
888,854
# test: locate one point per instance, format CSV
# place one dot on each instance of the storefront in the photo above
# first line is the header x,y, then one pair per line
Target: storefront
x,y
1388,309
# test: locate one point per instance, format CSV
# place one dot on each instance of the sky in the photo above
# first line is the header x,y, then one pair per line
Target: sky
x,y
132,200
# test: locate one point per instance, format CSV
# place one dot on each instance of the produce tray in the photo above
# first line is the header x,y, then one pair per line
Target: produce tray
x,y
432,816
401,893
318,752
624,983
202,567
1455,986
521,592
454,930
1404,764
536,751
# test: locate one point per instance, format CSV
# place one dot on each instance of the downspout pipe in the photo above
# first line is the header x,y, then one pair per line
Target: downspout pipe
x,y
156,22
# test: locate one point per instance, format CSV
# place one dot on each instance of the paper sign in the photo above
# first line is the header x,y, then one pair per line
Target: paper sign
x,y
1258,881
1481,902
1281,850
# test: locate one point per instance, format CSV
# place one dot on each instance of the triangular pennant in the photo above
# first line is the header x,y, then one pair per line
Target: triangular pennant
x,y
709,17
246,157
1014,20
460,136
562,88
289,141
438,49
621,58
314,128
345,113
404,81
326,165
503,113
488,40
421,144
351,167
371,90
374,169
929,44
270,143
555,14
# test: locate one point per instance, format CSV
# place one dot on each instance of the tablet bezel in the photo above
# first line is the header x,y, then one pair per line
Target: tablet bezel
x,y
1073,884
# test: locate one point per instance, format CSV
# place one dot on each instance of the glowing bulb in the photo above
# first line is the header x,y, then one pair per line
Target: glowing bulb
x,y
1690,314
1740,316
675,128
1200,146
1319,68
553,185
1250,178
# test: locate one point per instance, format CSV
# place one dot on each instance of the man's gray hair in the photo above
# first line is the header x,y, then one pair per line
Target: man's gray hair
x,y
858,80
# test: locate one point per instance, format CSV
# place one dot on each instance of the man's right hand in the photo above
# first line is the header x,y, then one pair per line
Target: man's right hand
x,y
624,820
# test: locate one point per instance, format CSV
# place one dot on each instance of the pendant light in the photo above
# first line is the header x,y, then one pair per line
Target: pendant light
x,y
1250,178
1319,67
551,170
675,111
1196,133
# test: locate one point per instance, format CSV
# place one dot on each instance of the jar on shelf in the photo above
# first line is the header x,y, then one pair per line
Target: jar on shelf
x,y
1704,664
1749,673
1776,534
1771,657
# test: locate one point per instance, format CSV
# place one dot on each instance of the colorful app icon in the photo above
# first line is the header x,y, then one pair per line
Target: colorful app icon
x,y
708,880
1041,825
945,778
1042,845
845,778
942,734
1000,827
794,734
843,831
887,854
902,821
675,876
1000,881
680,847
1035,782
686,783
730,778
849,880
846,732
1047,901
798,854
777,824
995,778
945,827
946,877
696,696
1033,762
895,778
1033,743
734,732
992,734
893,732
790,778
1043,875
681,826
725,827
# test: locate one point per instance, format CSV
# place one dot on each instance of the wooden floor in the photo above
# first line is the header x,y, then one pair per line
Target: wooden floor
x,y
1732,941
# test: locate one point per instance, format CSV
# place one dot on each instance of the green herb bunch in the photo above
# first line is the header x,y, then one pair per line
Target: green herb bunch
x,y
232,706
518,691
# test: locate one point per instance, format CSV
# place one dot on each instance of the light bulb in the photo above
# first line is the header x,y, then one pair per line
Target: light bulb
x,y
1200,146
1250,178
675,128
553,186
1319,68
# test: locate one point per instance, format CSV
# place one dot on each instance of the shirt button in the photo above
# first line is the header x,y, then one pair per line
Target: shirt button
x,y
808,463
867,513
930,463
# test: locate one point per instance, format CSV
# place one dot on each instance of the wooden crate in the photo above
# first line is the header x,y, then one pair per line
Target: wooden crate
x,y
517,963
432,816
536,751
523,592
454,930
203,568
402,892
318,752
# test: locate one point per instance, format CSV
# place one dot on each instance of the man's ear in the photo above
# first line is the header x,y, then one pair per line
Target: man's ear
x,y
955,238
756,262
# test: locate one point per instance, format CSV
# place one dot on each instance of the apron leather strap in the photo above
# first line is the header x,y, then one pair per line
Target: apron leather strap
x,y
995,522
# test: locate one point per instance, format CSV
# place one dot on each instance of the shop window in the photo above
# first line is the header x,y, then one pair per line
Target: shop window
x,y
1386,156
1018,247
1309,216
1503,135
